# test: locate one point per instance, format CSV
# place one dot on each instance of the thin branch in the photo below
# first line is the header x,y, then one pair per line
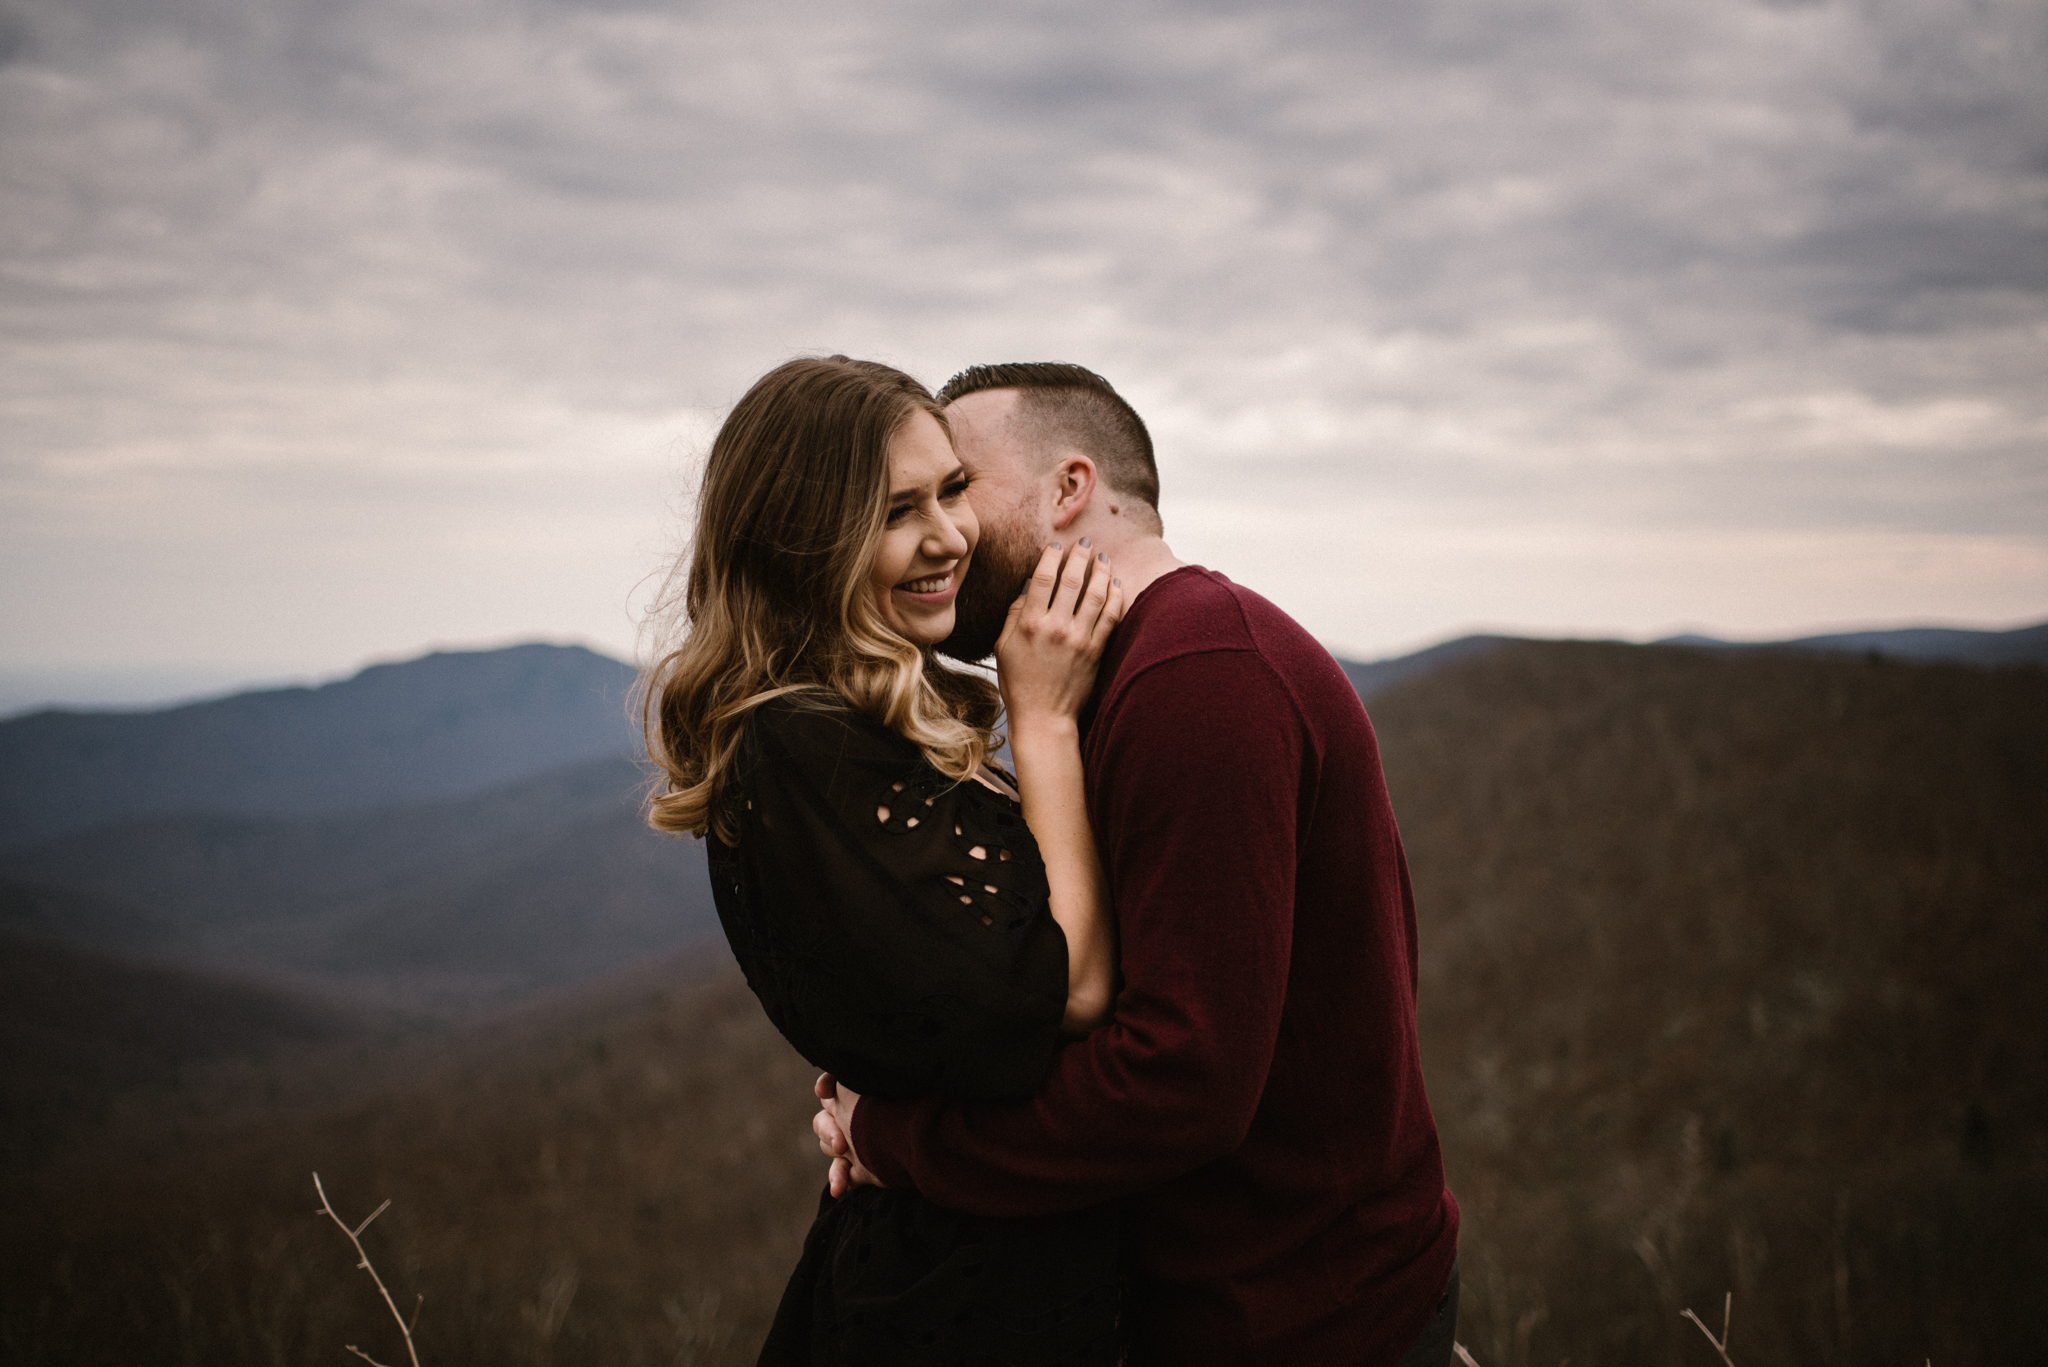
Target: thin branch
x,y
1463,1356
358,1232
364,1263
1721,1343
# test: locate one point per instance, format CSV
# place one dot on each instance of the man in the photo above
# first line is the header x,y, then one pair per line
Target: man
x,y
1258,1095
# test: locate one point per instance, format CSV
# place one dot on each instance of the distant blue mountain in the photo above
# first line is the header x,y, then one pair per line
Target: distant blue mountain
x,y
532,884
2026,645
442,726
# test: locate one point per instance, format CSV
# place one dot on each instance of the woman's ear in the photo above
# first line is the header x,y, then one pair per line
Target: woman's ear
x,y
1074,484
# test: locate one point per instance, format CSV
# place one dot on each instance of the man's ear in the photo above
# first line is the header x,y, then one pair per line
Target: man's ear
x,y
1074,483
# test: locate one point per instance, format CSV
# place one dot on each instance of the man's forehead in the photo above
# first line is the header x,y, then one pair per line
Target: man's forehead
x,y
983,430
988,408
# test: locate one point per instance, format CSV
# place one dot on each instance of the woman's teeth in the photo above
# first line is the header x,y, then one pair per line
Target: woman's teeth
x,y
938,583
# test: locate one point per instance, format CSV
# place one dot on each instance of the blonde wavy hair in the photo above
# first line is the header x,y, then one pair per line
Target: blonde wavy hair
x,y
776,602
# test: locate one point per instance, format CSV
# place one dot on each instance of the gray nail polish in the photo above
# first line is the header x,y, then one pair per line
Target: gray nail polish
x,y
1103,556
1084,540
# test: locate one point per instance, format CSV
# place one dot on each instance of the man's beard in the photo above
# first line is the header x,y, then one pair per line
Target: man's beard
x,y
1003,561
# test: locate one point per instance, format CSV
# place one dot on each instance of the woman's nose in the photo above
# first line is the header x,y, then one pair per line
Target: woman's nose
x,y
946,541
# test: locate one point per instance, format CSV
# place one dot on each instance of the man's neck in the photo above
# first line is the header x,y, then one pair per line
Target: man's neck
x,y
1138,560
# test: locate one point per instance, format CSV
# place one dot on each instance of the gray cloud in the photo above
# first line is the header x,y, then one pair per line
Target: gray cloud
x,y
438,286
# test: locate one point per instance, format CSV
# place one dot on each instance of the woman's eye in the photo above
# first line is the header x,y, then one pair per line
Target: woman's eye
x,y
954,490
897,514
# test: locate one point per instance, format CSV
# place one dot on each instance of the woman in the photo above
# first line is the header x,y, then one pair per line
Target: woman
x,y
911,919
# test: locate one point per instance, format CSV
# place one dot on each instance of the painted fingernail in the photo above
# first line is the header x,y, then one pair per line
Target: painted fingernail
x,y
1084,540
1103,556
1118,582
1055,545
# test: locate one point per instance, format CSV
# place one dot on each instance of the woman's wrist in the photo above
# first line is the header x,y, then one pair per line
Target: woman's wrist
x,y
1043,728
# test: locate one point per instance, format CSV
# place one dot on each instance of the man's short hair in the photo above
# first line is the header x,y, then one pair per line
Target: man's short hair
x,y
1069,407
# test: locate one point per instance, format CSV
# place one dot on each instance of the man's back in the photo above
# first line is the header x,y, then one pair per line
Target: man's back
x,y
1259,1091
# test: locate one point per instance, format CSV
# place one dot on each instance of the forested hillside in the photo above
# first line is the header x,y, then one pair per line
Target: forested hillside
x,y
1728,984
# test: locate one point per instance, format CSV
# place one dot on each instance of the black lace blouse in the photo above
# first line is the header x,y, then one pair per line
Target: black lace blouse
x,y
894,925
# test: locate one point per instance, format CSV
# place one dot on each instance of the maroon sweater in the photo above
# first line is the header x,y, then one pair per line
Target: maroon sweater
x,y
1259,1092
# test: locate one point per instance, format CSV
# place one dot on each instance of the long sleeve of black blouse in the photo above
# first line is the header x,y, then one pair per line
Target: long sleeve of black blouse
x,y
893,922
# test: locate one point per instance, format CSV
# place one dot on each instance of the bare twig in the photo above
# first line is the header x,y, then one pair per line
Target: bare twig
x,y
357,1233
1721,1343
363,1261
1463,1356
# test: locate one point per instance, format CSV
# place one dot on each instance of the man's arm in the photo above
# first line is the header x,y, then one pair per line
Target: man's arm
x,y
1194,798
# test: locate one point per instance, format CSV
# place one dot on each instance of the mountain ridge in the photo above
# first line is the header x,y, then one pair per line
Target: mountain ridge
x,y
1953,645
489,854
437,906
443,725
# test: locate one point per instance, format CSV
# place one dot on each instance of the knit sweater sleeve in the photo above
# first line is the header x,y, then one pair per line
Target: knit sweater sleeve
x,y
1195,789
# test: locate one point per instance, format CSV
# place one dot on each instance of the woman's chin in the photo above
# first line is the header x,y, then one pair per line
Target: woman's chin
x,y
926,630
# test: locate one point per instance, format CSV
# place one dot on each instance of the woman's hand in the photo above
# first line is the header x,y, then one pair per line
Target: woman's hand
x,y
833,1125
1055,634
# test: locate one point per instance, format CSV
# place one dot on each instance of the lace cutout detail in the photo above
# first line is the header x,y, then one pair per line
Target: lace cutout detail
x,y
907,803
986,885
988,903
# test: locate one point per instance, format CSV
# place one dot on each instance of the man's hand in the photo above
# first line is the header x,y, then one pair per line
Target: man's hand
x,y
833,1124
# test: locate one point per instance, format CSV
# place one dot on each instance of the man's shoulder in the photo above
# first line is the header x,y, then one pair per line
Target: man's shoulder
x,y
1193,612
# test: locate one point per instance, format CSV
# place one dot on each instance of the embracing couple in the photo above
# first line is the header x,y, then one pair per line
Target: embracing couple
x,y
1120,1047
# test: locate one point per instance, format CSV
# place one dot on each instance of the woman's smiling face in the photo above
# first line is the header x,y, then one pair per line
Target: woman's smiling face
x,y
929,535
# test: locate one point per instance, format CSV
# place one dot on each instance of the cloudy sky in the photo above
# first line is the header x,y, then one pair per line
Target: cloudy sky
x,y
338,329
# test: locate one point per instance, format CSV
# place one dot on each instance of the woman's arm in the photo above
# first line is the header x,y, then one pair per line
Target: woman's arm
x,y
1046,660
1047,752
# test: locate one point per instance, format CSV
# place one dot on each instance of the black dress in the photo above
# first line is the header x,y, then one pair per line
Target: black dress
x,y
894,924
